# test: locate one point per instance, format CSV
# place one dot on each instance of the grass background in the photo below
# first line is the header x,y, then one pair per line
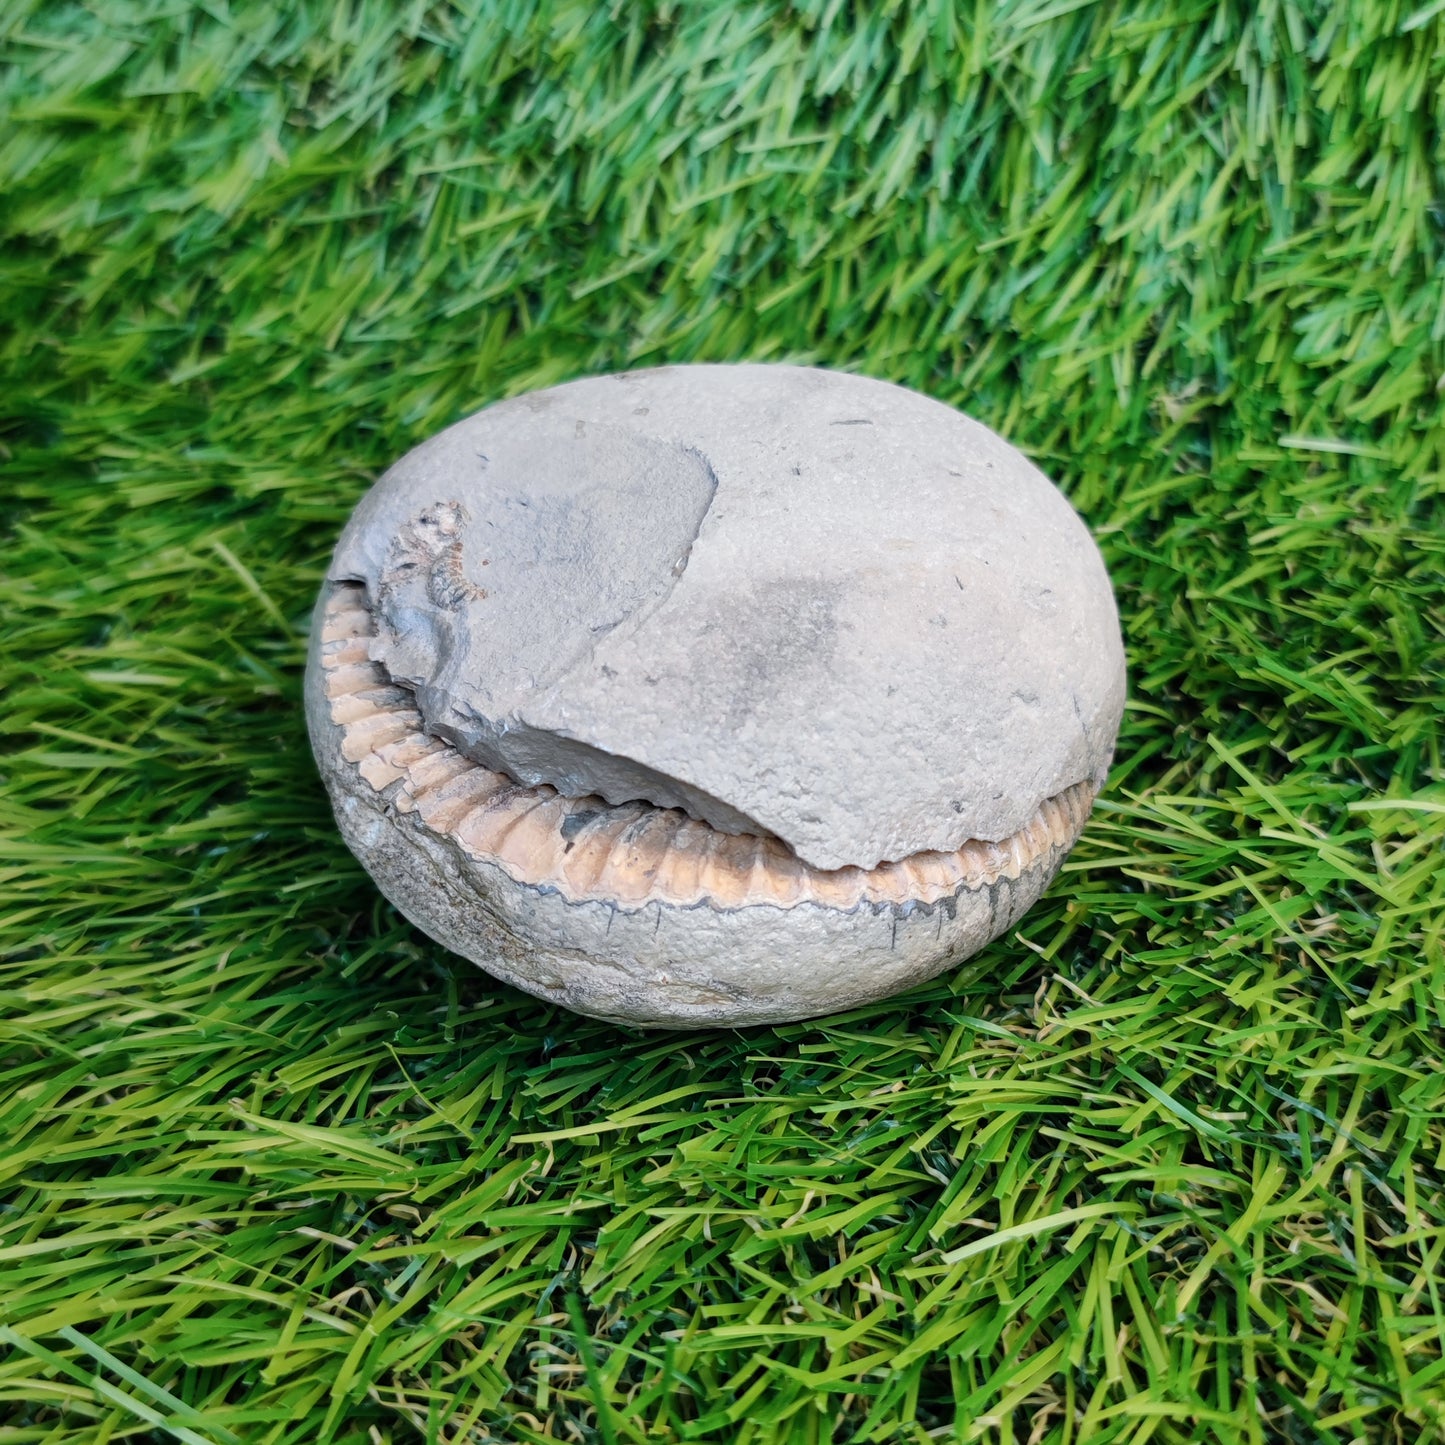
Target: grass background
x,y
1168,1163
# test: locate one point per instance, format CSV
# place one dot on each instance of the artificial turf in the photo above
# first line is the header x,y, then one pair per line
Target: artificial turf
x,y
1167,1163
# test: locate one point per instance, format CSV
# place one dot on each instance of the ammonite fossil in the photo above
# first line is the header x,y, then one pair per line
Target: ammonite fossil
x,y
714,694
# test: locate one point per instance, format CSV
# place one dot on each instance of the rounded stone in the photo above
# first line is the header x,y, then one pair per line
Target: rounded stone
x,y
715,694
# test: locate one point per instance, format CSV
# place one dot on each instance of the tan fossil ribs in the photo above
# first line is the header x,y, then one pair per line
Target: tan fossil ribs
x,y
629,854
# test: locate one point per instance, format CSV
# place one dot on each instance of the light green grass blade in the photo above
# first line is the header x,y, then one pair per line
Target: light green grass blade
x,y
1167,1164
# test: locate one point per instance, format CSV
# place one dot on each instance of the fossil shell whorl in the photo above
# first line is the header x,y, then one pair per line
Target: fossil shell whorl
x,y
486,858
714,694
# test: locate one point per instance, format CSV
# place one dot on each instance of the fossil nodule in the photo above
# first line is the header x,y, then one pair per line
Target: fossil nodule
x,y
714,694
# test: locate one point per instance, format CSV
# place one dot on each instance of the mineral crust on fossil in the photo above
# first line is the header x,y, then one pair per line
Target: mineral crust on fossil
x,y
715,694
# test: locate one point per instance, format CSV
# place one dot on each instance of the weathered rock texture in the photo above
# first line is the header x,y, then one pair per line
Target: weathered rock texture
x,y
791,602
714,694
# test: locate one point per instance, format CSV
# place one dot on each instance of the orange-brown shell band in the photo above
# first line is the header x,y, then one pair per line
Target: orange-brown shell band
x,y
629,854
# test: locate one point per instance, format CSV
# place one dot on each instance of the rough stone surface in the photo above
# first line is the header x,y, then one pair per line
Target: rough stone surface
x,y
792,602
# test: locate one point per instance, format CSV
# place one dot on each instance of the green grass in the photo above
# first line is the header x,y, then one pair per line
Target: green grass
x,y
1166,1164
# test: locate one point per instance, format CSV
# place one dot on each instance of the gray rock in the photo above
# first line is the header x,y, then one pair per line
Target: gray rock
x,y
795,603
860,640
